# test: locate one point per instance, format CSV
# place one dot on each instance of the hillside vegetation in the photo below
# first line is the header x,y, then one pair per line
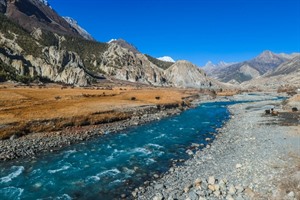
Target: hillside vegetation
x,y
161,64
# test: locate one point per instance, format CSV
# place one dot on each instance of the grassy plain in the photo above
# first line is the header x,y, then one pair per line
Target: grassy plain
x,y
26,109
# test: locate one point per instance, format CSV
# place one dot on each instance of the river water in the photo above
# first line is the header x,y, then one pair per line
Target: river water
x,y
106,167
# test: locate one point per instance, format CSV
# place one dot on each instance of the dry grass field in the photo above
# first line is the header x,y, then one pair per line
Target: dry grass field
x,y
26,109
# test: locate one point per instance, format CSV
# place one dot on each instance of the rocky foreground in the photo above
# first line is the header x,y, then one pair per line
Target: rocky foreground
x,y
253,157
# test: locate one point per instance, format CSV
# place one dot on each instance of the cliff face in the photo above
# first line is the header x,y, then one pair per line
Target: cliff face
x,y
32,14
53,64
124,64
187,75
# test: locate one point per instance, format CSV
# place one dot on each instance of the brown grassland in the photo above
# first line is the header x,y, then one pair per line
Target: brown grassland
x,y
26,109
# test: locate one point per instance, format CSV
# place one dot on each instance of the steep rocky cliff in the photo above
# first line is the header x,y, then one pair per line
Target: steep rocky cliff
x,y
32,14
125,64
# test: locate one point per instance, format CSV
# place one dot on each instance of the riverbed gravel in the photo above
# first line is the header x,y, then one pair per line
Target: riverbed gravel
x,y
249,160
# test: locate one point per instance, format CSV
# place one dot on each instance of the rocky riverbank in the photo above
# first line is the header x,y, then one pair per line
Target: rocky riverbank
x,y
32,145
253,157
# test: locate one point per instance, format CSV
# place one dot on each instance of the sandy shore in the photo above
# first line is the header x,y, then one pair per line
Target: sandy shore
x,y
254,157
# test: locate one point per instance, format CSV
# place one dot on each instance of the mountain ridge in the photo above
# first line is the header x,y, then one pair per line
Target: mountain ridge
x,y
33,14
251,69
41,55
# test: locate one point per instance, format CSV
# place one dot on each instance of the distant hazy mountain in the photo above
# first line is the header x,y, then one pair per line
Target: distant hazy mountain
x,y
79,29
290,67
247,70
166,59
210,64
210,67
286,74
33,14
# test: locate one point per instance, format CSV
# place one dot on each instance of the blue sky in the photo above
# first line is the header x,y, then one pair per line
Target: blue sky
x,y
194,30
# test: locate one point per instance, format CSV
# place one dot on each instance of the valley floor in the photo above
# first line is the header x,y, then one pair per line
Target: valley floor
x,y
254,157
36,119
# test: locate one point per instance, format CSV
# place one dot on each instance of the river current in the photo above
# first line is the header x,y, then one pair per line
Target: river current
x,y
106,167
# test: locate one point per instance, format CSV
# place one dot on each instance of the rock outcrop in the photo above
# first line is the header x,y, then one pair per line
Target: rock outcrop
x,y
128,65
187,75
78,28
53,64
32,14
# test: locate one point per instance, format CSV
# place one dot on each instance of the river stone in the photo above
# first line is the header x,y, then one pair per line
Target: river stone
x,y
239,188
158,196
159,186
211,180
134,193
229,197
217,193
212,188
231,190
291,194
187,188
193,195
249,193
238,166
197,182
202,198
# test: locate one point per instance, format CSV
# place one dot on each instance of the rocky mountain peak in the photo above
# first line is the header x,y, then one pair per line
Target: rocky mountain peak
x,y
268,57
45,2
187,75
78,28
125,44
33,14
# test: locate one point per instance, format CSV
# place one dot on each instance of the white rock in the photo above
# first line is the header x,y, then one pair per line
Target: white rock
x,y
211,180
158,196
291,194
238,166
231,190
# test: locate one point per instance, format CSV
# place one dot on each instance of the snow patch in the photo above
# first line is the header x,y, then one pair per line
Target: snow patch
x,y
112,40
166,59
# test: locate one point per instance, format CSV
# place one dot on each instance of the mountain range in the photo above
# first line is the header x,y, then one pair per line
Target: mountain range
x,y
36,44
257,67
